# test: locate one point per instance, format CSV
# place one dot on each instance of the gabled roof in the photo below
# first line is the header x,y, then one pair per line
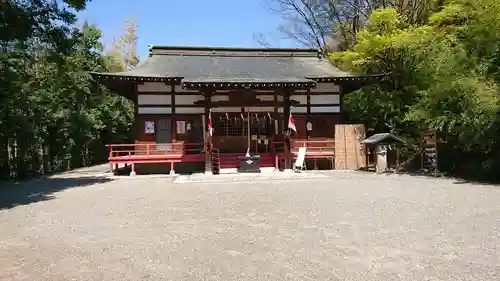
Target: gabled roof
x,y
238,65
383,137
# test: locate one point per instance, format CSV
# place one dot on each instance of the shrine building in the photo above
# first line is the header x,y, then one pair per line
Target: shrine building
x,y
247,93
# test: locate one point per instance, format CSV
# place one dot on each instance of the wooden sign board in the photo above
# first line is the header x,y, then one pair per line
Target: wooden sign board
x,y
429,151
149,127
349,152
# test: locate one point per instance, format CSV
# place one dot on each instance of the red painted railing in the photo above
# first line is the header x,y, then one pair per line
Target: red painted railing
x,y
326,147
153,149
316,149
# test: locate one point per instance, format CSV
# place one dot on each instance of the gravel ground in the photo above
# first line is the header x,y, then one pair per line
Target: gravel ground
x,y
344,226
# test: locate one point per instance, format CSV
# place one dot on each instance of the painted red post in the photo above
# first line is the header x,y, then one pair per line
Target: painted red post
x,y
132,172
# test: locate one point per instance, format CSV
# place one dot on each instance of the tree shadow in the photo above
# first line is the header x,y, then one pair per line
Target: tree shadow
x,y
43,189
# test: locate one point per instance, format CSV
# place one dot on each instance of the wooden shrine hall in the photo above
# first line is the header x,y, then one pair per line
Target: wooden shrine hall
x,y
247,93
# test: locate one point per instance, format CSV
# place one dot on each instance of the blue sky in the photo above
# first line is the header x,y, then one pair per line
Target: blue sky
x,y
192,23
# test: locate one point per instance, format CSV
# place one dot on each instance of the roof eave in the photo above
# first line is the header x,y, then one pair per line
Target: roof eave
x,y
385,138
349,78
249,85
145,78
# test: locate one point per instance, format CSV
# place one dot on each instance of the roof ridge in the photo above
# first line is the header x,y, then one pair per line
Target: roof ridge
x,y
233,51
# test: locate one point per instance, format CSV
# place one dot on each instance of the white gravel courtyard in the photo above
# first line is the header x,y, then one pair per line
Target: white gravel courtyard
x,y
333,226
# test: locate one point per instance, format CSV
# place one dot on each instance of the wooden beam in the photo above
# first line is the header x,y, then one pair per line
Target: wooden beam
x,y
308,110
207,93
174,123
275,102
286,113
136,125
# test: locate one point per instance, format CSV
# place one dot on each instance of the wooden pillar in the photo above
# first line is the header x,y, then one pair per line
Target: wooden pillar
x,y
208,140
275,125
136,125
286,113
275,102
173,120
308,110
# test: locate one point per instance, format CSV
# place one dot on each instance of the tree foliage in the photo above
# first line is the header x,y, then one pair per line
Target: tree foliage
x,y
334,24
123,50
445,77
52,117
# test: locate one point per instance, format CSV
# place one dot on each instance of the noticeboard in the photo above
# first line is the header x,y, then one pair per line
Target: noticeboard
x,y
429,151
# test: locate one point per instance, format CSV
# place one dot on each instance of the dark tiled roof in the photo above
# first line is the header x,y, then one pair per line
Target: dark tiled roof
x,y
239,65
383,137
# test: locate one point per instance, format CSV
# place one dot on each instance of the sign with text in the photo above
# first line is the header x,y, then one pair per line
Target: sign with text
x,y
149,127
181,127
429,151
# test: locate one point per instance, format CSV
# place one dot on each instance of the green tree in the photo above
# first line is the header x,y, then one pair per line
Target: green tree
x,y
51,116
444,78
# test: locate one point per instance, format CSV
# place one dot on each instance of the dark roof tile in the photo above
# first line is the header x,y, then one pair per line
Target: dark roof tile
x,y
234,64
382,137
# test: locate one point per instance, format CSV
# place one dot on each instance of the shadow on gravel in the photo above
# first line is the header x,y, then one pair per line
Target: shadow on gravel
x,y
43,189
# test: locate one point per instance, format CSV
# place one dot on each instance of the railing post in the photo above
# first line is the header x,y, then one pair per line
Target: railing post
x,y
148,149
172,171
132,171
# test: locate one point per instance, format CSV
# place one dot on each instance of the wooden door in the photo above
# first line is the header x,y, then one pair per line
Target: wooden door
x,y
164,133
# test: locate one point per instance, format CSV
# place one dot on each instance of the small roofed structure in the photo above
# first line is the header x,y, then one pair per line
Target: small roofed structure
x,y
384,149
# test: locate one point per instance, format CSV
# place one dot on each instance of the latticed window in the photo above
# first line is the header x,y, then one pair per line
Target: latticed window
x,y
230,127
237,126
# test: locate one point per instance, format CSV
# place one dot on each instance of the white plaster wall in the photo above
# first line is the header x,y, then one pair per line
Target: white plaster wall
x,y
300,98
220,98
154,99
226,109
187,99
260,109
189,110
325,109
325,99
154,110
299,110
